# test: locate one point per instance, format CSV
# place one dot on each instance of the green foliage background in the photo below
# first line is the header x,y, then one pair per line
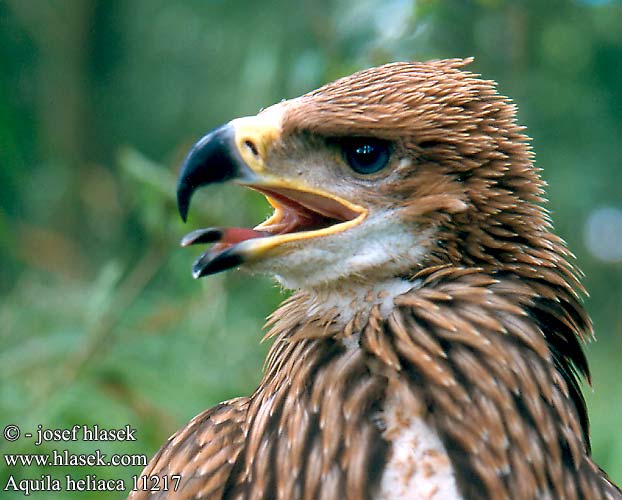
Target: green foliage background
x,y
100,321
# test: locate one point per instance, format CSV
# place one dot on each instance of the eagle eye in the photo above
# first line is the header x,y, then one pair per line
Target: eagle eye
x,y
366,156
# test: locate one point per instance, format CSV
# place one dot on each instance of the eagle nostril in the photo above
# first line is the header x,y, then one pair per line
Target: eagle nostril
x,y
252,147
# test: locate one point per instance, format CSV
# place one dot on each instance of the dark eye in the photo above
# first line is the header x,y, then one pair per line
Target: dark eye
x,y
366,156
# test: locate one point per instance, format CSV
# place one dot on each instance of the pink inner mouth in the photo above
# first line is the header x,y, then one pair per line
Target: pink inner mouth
x,y
297,211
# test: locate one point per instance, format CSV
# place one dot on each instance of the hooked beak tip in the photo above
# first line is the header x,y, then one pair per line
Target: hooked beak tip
x,y
213,159
183,204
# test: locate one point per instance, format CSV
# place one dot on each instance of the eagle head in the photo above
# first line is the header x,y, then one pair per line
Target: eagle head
x,y
377,176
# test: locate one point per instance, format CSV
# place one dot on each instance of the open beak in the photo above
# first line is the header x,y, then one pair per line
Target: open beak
x,y
236,152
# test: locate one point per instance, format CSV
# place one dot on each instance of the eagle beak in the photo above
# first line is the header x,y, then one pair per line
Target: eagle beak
x,y
213,159
233,152
236,152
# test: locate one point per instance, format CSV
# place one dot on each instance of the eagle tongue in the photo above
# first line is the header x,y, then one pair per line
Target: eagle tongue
x,y
233,235
207,235
227,236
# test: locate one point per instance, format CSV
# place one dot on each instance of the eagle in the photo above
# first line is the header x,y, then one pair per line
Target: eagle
x,y
432,345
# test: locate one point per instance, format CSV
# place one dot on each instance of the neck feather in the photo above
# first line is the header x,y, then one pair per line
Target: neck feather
x,y
494,357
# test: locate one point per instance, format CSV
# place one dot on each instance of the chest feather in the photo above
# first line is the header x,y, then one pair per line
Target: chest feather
x,y
417,467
